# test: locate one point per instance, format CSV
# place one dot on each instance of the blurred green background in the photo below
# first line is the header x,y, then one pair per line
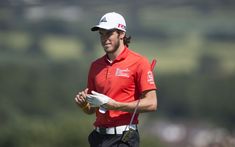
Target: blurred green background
x,y
46,48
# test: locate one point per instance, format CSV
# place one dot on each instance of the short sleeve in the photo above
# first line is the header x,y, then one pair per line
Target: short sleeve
x,y
145,76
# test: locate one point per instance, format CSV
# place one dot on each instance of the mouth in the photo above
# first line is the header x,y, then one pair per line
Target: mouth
x,y
107,45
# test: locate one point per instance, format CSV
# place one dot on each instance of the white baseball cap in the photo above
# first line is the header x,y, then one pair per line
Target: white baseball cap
x,y
111,20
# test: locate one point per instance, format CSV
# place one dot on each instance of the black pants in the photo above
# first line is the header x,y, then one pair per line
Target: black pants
x,y
99,140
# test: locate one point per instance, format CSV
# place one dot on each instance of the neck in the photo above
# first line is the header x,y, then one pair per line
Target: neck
x,y
113,56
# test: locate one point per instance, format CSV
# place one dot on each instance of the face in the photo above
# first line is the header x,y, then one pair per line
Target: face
x,y
110,40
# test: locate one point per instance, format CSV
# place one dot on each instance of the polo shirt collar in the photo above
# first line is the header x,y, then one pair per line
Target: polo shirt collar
x,y
120,57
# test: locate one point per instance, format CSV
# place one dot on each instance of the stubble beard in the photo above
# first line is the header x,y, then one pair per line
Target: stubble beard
x,y
114,49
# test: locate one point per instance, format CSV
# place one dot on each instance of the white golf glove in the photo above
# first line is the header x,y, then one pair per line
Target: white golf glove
x,y
97,99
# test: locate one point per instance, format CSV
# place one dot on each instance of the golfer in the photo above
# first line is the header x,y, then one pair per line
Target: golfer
x,y
118,82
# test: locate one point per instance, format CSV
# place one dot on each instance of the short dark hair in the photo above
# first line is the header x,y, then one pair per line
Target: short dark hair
x,y
126,39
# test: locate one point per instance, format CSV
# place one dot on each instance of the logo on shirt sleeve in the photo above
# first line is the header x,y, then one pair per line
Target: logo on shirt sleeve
x,y
122,72
150,78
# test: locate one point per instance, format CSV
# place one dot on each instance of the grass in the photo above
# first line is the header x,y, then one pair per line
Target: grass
x,y
61,47
16,40
172,56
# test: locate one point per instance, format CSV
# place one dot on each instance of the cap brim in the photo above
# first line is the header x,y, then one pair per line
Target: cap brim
x,y
95,28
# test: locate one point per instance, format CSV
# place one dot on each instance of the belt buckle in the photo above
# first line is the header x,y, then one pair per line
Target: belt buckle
x,y
102,130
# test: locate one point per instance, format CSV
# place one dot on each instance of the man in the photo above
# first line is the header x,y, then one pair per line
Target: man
x,y
118,82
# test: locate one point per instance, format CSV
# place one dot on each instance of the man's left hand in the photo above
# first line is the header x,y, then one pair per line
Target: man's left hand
x,y
97,99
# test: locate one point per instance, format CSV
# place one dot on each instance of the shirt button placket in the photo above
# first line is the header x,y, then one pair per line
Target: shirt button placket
x,y
109,76
108,72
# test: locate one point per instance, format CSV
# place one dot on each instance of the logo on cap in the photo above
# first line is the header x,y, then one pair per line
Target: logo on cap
x,y
121,26
103,20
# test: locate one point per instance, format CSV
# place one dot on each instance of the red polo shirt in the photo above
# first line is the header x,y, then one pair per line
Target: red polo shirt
x,y
122,80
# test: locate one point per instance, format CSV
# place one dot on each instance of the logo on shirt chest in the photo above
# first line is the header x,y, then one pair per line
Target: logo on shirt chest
x,y
122,72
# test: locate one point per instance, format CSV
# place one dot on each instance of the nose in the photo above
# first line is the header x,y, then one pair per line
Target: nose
x,y
104,38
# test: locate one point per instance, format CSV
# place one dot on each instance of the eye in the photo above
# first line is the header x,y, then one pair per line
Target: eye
x,y
109,33
106,33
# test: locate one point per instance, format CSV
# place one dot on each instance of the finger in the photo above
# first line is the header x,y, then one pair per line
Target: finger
x,y
79,95
77,101
80,99
95,93
90,100
93,96
77,98
87,96
83,94
86,91
80,102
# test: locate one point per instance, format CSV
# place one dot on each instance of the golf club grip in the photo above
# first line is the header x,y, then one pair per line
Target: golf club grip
x,y
154,61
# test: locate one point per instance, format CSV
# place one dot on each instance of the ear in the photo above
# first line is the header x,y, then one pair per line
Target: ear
x,y
122,34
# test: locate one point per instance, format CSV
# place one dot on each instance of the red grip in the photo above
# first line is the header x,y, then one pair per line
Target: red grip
x,y
153,64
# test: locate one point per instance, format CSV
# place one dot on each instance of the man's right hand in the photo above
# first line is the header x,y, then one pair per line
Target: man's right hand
x,y
81,99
